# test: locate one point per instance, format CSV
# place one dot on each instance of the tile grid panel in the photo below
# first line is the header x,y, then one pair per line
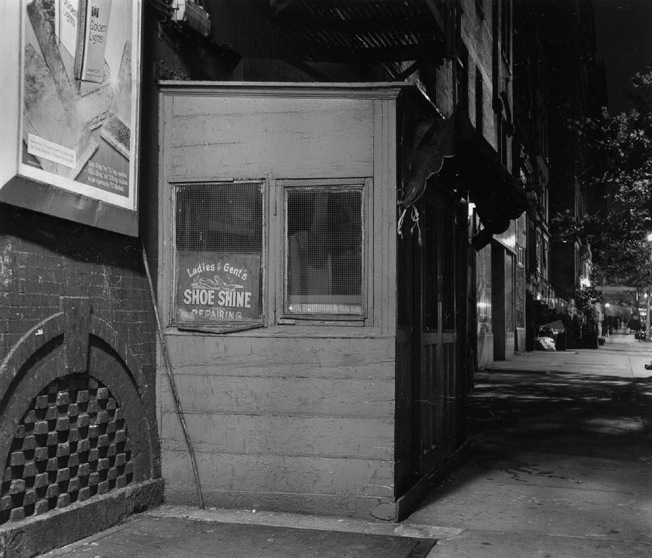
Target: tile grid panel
x,y
71,445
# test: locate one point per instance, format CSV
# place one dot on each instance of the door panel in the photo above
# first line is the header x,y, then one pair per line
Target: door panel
x,y
435,333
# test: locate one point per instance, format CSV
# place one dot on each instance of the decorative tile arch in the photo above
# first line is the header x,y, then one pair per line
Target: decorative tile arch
x,y
73,416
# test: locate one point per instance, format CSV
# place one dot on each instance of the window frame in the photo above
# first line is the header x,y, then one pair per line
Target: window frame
x,y
173,259
273,258
361,185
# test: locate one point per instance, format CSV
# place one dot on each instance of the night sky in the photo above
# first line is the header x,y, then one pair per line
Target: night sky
x,y
624,35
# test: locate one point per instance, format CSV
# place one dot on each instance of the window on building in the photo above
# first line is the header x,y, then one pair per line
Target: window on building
x,y
462,77
263,252
506,28
218,256
532,255
520,256
479,100
504,142
539,252
324,251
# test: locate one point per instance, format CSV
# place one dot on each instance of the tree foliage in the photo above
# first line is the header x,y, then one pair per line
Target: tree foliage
x,y
618,177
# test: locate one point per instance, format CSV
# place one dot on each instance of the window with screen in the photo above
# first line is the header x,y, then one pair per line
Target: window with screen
x,y
218,261
324,251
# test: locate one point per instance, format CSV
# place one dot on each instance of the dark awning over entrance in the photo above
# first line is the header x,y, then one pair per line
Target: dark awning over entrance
x,y
496,193
473,167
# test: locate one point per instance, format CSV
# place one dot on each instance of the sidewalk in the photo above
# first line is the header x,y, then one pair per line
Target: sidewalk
x,y
561,448
561,455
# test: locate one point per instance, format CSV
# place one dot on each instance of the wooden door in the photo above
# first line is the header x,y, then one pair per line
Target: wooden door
x,y
440,278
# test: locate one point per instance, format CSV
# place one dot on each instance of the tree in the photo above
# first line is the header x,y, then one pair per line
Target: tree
x,y
619,179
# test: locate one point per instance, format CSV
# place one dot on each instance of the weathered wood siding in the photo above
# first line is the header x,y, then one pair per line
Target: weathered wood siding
x,y
229,137
308,420
287,417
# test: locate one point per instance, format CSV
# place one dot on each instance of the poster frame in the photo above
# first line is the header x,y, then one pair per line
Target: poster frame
x,y
30,186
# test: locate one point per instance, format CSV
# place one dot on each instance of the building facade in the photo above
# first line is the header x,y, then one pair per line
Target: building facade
x,y
558,80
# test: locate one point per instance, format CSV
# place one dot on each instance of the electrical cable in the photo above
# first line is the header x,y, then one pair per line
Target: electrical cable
x,y
173,386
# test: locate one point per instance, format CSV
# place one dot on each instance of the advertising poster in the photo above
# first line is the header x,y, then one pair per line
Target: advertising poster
x,y
80,90
215,288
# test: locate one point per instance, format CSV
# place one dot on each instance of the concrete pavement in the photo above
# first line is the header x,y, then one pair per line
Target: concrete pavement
x,y
561,456
561,449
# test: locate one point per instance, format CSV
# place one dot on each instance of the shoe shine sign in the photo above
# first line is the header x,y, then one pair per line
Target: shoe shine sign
x,y
215,288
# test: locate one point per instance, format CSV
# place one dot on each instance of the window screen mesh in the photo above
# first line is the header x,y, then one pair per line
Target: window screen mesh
x,y
324,251
219,249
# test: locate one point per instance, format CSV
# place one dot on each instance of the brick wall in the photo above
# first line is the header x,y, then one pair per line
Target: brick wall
x,y
77,376
477,36
43,258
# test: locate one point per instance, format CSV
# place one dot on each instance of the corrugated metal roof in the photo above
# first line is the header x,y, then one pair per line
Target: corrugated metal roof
x,y
364,30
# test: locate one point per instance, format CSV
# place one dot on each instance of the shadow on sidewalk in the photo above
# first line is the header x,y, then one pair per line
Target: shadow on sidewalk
x,y
547,429
555,453
601,407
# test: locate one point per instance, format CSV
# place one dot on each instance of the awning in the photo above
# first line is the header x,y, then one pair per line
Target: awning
x,y
473,167
497,195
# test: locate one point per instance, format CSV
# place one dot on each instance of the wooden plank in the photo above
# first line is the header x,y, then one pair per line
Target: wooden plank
x,y
384,215
287,357
289,138
272,101
405,431
337,505
283,396
280,474
273,435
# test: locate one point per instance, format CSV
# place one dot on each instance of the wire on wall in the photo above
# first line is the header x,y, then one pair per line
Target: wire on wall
x,y
173,386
